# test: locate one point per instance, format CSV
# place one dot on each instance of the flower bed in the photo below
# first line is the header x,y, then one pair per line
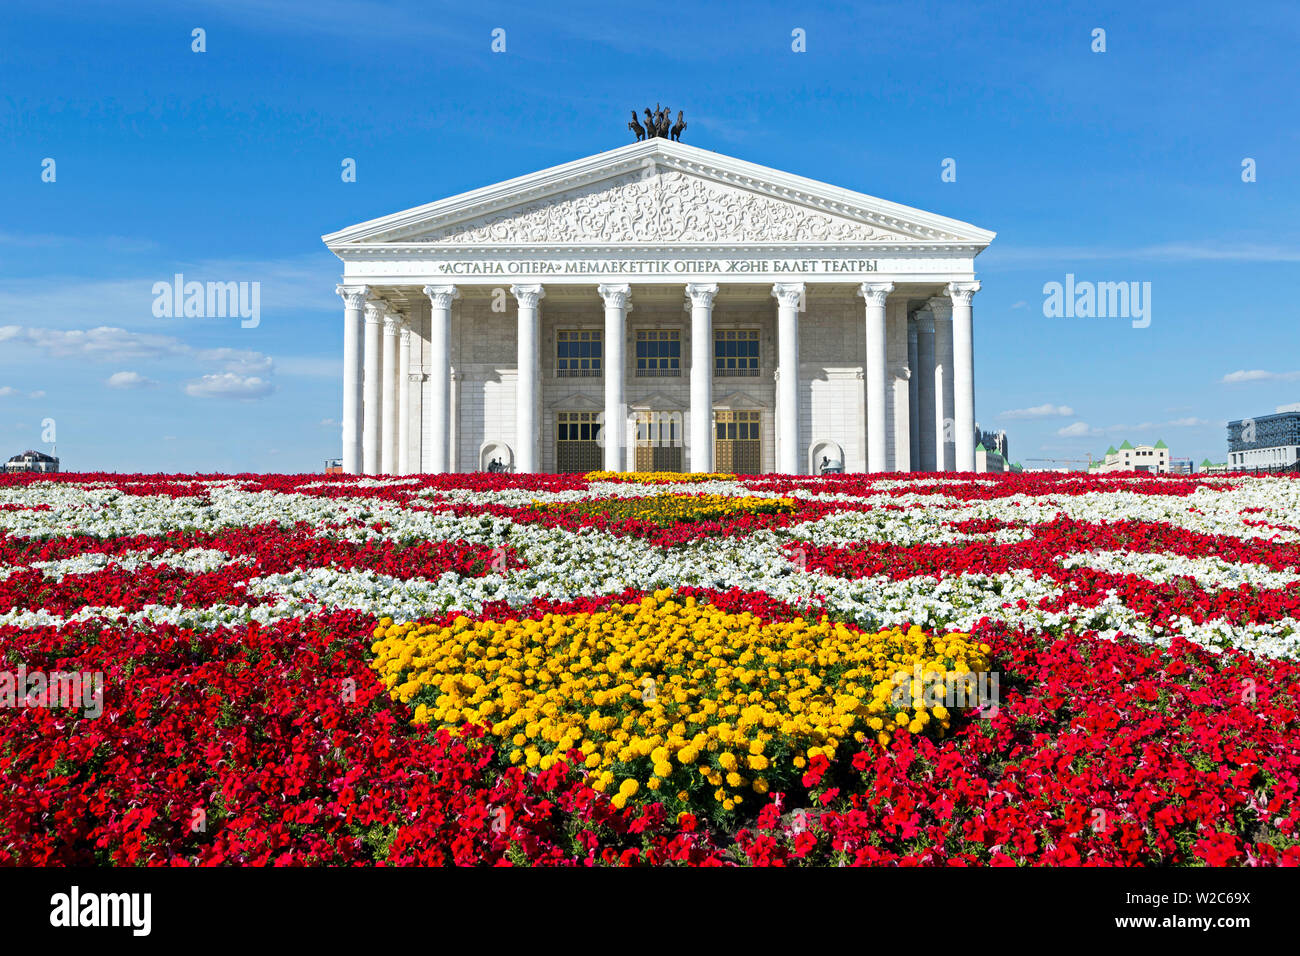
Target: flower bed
x,y
309,669
702,706
665,511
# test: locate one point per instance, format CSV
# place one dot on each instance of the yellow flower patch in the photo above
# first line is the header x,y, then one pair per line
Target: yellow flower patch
x,y
670,509
693,703
657,477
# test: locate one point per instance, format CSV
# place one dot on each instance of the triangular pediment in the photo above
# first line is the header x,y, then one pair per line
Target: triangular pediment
x,y
655,401
652,193
577,402
738,400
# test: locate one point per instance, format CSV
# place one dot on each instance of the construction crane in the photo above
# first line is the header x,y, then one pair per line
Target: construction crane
x,y
1066,461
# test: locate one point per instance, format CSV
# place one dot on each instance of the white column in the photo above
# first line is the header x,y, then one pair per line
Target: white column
x,y
896,385
913,396
875,294
901,424
789,297
354,306
440,299
963,372
926,396
700,298
941,309
615,354
528,386
453,430
374,386
388,410
404,401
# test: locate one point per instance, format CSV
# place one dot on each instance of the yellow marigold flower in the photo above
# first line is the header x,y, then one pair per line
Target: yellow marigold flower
x,y
740,688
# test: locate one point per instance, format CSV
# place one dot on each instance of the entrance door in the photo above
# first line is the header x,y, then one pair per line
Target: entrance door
x,y
658,441
737,447
576,447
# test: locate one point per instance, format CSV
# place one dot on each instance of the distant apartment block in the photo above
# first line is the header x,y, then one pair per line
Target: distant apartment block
x,y
1266,442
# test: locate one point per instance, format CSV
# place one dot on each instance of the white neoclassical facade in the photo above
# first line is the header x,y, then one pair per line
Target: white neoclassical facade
x,y
662,307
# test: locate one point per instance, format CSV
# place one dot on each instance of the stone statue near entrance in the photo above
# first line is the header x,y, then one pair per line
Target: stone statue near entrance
x,y
658,123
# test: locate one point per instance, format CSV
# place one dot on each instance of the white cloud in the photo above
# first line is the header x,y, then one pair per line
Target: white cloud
x,y
329,423
243,361
229,385
1078,430
39,393
1293,407
1022,304
1084,430
127,380
108,343
288,286
1257,375
1040,411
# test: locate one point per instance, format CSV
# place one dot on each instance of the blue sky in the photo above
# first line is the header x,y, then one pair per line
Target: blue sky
x,y
1117,166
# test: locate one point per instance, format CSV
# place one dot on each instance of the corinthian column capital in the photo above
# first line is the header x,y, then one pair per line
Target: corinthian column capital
x,y
528,296
442,296
375,309
700,294
393,322
875,292
788,294
940,307
615,296
354,296
962,292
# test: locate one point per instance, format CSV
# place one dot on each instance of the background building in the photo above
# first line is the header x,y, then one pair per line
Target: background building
x,y
32,461
1269,442
995,442
1127,457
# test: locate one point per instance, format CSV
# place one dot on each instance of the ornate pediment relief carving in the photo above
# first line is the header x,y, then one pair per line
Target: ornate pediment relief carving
x,y
670,206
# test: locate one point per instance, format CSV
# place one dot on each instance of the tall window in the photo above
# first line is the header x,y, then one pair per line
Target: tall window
x,y
737,445
658,352
577,353
577,448
735,352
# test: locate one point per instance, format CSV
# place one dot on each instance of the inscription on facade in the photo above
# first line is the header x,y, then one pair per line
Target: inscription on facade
x,y
659,267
